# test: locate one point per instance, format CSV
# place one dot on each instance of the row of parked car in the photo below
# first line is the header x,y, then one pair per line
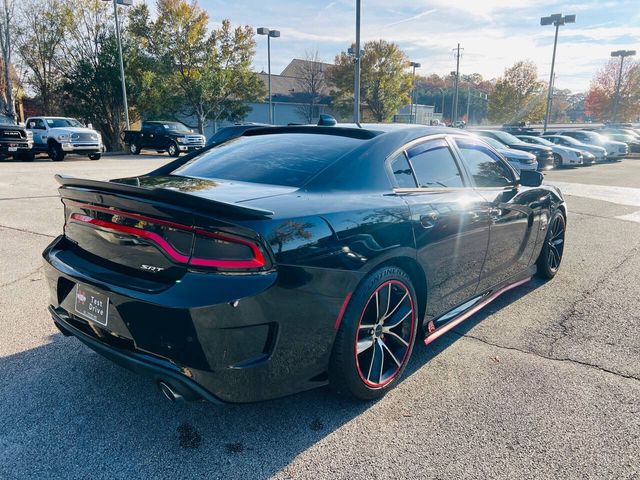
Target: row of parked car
x,y
54,136
526,149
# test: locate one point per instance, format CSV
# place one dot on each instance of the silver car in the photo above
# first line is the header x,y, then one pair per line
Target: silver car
x,y
564,156
517,159
599,153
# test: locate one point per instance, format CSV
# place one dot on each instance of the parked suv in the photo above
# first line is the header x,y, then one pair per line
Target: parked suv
x,y
60,136
171,137
15,141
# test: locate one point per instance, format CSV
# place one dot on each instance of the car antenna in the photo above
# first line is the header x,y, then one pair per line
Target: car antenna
x,y
326,120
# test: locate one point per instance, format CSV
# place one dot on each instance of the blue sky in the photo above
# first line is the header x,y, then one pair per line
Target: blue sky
x,y
494,33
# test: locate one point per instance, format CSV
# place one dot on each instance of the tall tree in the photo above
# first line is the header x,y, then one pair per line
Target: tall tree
x,y
209,72
312,84
44,24
89,64
385,80
7,33
518,95
601,94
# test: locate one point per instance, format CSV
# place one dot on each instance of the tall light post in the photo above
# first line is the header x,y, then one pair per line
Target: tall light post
x,y
356,76
457,81
616,101
413,93
557,19
127,3
270,34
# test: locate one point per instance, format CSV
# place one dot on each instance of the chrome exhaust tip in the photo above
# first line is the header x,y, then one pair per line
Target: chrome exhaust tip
x,y
169,393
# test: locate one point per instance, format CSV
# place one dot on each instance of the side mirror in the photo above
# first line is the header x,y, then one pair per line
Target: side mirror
x,y
90,125
531,178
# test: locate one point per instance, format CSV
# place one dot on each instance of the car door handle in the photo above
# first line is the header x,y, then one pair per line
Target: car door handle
x,y
429,220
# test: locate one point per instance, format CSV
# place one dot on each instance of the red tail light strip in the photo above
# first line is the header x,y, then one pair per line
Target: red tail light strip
x,y
138,232
257,261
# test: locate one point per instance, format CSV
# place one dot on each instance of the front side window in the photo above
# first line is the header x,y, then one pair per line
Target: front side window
x,y
484,166
434,165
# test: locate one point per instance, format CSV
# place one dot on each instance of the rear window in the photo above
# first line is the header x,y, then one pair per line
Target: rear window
x,y
288,159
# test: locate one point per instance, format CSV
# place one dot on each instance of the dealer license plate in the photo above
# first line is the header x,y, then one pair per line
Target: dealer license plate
x,y
92,305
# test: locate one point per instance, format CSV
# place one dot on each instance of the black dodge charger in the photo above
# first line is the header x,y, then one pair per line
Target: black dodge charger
x,y
294,257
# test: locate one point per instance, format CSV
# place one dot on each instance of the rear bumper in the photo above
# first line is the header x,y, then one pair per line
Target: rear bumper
x,y
147,365
275,341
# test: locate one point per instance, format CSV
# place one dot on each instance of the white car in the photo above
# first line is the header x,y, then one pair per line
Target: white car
x,y
562,156
517,158
599,153
60,136
614,149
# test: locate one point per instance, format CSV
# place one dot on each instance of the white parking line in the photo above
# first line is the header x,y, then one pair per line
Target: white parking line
x,y
620,195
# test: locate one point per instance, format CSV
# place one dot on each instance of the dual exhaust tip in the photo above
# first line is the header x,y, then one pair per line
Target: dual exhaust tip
x,y
169,392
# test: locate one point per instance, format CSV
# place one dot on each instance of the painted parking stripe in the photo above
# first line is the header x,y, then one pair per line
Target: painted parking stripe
x,y
620,195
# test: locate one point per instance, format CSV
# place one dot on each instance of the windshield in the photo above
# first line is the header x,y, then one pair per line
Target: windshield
x,y
288,159
494,143
62,122
543,141
593,136
177,127
6,121
506,138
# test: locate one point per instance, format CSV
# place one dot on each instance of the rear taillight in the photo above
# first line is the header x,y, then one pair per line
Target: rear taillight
x,y
203,249
225,251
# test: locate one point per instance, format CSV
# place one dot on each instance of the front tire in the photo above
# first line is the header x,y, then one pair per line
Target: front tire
x,y
95,156
551,255
55,152
26,157
557,161
376,335
173,150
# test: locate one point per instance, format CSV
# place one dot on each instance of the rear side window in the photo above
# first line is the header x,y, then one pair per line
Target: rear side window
x,y
434,165
402,171
288,159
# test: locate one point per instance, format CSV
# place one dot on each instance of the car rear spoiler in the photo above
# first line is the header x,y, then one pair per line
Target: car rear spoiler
x,y
171,197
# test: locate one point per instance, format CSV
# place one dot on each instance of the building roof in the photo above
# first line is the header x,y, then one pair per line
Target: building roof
x,y
297,65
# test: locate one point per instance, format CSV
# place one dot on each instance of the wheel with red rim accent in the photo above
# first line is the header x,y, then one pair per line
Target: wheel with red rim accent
x,y
376,335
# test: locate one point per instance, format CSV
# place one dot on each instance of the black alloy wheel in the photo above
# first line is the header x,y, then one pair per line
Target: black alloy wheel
x,y
173,150
553,248
55,152
376,336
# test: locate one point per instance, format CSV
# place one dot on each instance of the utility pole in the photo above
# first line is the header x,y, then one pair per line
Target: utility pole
x,y
356,86
124,85
468,101
556,20
616,100
457,81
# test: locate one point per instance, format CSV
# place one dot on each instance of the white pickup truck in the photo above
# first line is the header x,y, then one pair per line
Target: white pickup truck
x,y
59,136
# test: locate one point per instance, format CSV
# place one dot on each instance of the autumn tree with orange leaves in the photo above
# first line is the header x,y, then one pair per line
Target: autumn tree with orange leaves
x,y
601,94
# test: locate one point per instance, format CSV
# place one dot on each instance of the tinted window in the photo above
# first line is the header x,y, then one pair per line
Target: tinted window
x,y
485,167
402,171
289,159
434,165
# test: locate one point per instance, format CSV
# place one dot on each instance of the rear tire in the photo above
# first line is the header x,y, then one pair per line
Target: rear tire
x,y
133,149
376,335
55,152
551,255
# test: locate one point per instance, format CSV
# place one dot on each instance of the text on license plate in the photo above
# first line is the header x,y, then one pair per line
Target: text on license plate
x,y
92,305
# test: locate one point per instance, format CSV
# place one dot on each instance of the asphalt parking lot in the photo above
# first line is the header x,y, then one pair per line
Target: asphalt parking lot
x,y
544,383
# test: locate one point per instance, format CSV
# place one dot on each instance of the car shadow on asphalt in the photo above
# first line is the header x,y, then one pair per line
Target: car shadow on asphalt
x,y
68,408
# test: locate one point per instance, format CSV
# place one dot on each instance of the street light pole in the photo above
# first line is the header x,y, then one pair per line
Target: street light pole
x,y
413,94
616,100
455,95
118,40
556,19
270,34
356,86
